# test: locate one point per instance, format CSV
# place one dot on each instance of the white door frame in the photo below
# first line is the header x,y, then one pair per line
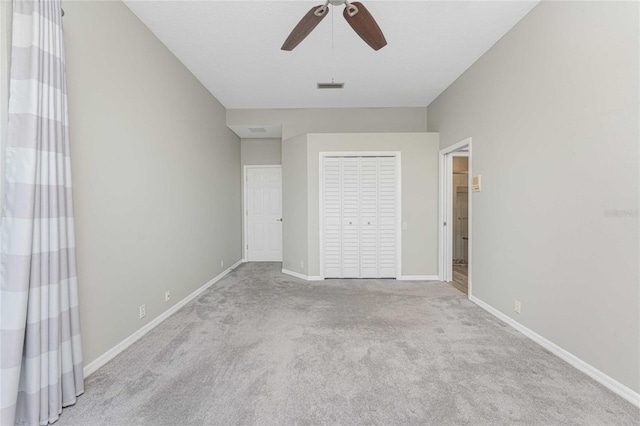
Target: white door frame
x,y
397,155
445,240
245,203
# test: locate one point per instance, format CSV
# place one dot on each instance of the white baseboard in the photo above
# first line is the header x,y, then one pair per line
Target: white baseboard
x,y
600,377
113,352
235,265
319,278
418,278
302,276
294,274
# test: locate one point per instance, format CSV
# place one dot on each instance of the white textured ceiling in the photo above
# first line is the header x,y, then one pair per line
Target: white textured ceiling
x,y
233,48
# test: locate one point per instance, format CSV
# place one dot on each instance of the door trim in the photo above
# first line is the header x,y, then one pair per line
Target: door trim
x,y
445,234
398,157
245,203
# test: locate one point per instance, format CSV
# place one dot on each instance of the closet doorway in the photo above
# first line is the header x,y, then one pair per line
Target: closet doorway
x,y
359,215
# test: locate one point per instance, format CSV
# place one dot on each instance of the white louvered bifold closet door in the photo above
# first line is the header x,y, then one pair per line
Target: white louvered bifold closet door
x,y
350,217
369,217
359,217
332,228
387,216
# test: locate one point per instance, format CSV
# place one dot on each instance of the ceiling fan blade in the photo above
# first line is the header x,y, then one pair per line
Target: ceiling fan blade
x,y
305,26
363,23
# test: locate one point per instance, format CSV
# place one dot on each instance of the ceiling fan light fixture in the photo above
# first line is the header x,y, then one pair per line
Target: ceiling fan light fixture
x,y
331,85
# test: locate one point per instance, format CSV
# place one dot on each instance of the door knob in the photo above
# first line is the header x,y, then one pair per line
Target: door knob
x,y
279,220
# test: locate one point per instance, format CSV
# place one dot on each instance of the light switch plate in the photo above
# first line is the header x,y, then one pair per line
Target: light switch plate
x,y
476,183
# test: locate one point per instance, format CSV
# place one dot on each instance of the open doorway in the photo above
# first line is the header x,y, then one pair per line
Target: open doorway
x,y
455,214
460,220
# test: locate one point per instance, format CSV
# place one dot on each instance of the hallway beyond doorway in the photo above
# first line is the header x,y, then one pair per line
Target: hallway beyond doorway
x,y
460,278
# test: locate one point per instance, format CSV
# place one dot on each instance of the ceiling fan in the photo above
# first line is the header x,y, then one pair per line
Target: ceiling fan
x,y
354,12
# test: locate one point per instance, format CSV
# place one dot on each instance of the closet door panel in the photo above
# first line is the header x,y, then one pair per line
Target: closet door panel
x,y
350,217
387,217
332,219
369,217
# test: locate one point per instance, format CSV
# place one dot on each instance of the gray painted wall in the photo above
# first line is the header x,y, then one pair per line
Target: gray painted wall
x,y
294,205
296,122
156,174
260,151
553,110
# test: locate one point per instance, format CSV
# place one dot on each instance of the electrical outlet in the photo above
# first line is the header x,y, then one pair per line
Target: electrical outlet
x,y
167,296
302,264
143,311
517,306
221,264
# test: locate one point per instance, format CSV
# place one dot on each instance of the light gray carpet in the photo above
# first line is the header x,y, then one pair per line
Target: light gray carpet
x,y
263,348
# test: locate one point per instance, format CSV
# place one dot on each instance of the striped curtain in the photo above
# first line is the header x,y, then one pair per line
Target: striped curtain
x,y
40,352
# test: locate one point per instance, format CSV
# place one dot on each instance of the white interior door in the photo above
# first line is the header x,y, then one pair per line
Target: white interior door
x,y
264,214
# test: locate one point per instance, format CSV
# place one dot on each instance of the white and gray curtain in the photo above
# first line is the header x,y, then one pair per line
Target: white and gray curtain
x,y
40,352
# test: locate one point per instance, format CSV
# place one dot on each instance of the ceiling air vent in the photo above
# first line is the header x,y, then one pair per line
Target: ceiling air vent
x,y
257,129
330,85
